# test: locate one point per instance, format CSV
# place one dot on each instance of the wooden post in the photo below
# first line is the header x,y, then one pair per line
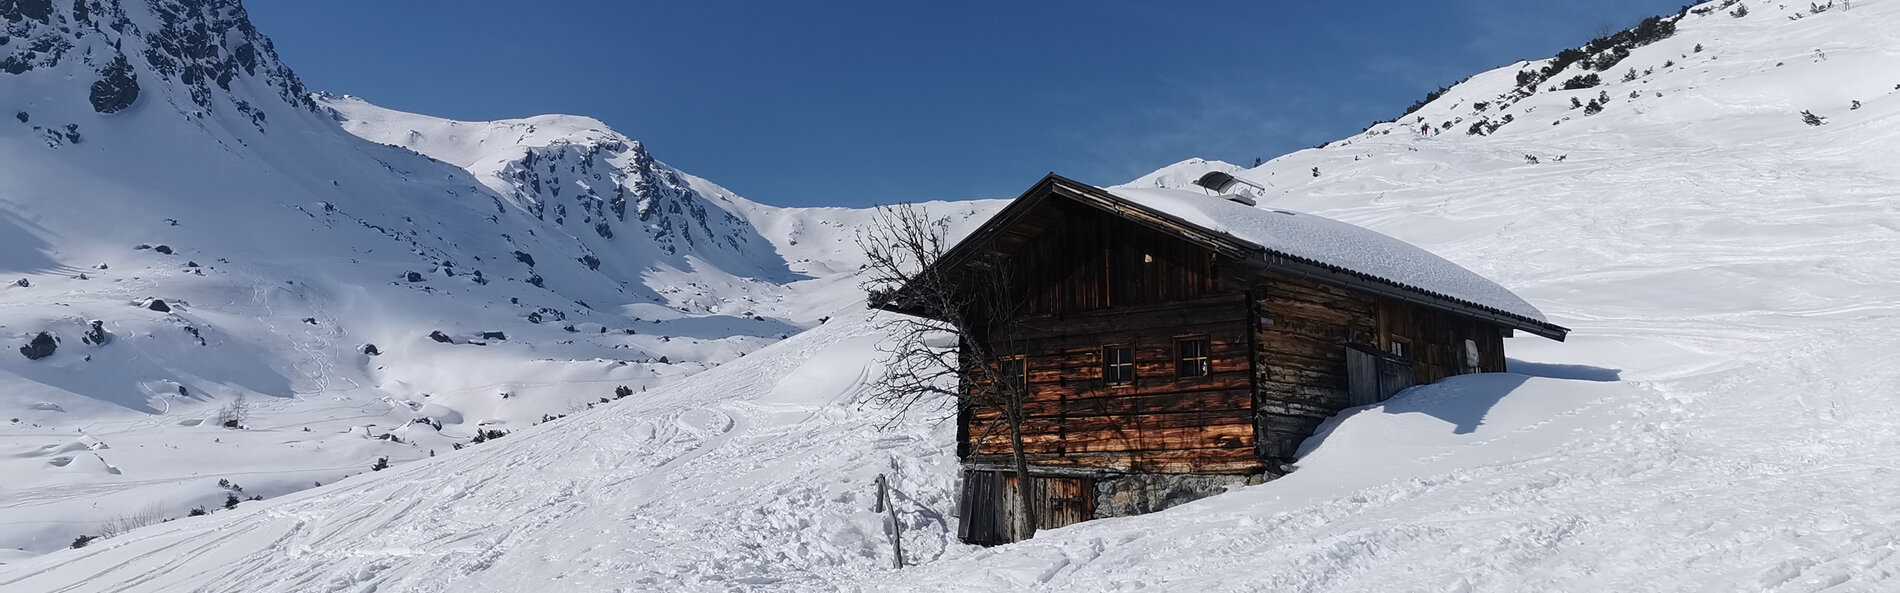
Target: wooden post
x,y
897,529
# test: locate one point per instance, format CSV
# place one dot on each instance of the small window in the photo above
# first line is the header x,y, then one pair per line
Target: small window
x,y
1470,362
1118,365
1191,358
1399,346
1015,373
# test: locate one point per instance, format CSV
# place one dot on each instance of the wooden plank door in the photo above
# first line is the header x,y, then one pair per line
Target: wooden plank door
x,y
980,510
1372,377
1065,501
1395,374
1362,377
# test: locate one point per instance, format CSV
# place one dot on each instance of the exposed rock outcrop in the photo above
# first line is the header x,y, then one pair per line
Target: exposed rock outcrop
x,y
42,346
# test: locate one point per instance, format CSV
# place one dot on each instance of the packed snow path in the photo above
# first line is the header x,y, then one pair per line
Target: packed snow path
x,y
732,477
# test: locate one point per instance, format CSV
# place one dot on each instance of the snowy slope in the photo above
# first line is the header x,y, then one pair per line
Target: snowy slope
x,y
159,151
1720,418
727,479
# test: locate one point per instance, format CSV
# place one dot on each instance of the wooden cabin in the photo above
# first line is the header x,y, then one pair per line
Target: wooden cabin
x,y
1172,344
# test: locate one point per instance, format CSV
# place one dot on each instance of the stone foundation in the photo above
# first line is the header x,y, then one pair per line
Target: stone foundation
x,y
1136,494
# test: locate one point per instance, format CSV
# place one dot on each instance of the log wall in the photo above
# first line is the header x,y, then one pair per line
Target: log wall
x,y
1156,423
1302,329
1435,341
1070,258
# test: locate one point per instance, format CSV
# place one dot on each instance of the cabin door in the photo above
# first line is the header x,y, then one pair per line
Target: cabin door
x,y
1065,501
981,518
1373,377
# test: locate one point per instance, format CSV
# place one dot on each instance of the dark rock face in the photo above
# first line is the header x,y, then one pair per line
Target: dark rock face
x,y
165,249
97,335
412,277
200,47
492,335
369,349
159,306
42,346
544,313
116,89
39,10
438,336
195,334
616,189
208,43
523,257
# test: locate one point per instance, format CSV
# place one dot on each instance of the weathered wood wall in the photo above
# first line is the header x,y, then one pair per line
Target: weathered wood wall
x,y
1302,329
989,507
1095,281
1069,258
1435,340
1156,423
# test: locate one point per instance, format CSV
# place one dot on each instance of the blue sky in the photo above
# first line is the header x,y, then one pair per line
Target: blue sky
x,y
859,103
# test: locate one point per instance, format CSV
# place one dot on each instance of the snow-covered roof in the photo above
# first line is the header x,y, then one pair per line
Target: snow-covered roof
x,y
1332,243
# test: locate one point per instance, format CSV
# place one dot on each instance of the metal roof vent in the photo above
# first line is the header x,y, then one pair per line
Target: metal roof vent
x,y
1220,182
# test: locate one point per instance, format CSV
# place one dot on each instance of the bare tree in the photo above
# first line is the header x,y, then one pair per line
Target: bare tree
x,y
233,414
951,343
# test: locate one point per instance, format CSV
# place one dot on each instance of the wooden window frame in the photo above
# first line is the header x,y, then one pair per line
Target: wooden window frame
x,y
1022,368
1128,363
1183,362
1399,346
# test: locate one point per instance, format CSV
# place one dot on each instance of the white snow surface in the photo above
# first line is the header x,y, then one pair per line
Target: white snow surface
x,y
1331,242
1721,418
1183,174
569,263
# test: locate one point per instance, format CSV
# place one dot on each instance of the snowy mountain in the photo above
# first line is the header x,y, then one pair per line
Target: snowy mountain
x,y
192,239
1720,418
613,186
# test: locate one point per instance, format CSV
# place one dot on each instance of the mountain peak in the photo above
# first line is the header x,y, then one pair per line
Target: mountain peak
x,y
202,57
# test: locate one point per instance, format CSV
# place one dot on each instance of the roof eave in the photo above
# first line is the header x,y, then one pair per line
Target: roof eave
x,y
1303,268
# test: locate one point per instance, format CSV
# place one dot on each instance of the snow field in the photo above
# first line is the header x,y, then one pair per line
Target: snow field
x,y
1720,420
